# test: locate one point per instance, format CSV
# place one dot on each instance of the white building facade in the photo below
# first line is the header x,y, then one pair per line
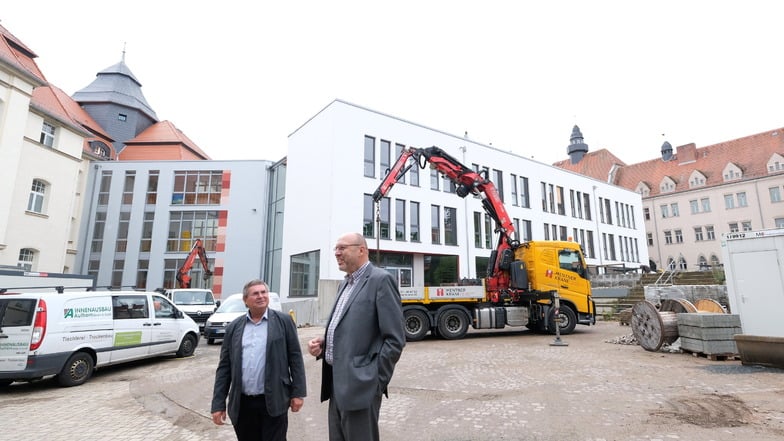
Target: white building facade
x,y
427,235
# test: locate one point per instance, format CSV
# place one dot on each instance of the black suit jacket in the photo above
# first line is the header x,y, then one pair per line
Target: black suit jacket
x,y
284,371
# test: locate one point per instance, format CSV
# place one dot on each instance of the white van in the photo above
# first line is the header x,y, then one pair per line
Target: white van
x,y
230,309
198,303
70,334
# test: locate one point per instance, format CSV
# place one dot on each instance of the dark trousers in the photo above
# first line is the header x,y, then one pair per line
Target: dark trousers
x,y
355,425
255,424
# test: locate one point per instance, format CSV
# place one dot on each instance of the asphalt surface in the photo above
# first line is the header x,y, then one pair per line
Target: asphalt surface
x,y
500,385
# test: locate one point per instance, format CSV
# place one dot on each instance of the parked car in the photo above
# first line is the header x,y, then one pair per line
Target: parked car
x,y
231,308
69,335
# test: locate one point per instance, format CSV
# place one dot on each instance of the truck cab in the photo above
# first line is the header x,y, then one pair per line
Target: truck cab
x,y
198,303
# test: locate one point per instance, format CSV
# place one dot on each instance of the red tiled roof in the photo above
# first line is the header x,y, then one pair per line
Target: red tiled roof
x,y
596,164
750,154
165,133
62,107
14,52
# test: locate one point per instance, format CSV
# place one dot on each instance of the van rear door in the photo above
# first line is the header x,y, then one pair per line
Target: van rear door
x,y
16,328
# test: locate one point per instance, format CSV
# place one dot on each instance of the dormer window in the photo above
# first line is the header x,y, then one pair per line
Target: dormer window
x,y
667,185
99,149
643,190
775,163
697,179
731,172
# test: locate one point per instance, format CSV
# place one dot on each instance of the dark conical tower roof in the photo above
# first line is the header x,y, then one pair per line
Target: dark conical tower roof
x,y
577,148
116,84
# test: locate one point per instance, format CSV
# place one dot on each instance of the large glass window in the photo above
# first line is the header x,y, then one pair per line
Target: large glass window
x,y
478,229
370,156
435,224
122,232
384,227
450,226
152,187
560,202
304,274
525,201
127,196
197,187
146,241
440,270
141,273
96,245
37,199
368,223
400,219
103,190
187,226
775,194
498,179
383,160
414,219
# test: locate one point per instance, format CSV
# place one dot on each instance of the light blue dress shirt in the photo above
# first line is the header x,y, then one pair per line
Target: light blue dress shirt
x,y
254,354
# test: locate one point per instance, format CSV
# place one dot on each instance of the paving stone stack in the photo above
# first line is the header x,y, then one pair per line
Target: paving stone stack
x,y
709,334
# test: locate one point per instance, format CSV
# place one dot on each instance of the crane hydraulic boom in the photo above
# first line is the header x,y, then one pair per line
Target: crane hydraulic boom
x,y
183,273
466,181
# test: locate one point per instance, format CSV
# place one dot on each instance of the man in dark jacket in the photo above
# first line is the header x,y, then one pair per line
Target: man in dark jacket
x,y
260,370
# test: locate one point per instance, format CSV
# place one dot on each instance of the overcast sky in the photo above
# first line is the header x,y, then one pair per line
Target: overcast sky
x,y
238,77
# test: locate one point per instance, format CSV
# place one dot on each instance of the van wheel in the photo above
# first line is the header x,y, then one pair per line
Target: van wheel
x,y
77,370
210,341
187,347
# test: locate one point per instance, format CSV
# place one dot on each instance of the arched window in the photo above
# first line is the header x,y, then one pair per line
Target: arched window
x,y
37,201
26,259
702,262
715,261
682,263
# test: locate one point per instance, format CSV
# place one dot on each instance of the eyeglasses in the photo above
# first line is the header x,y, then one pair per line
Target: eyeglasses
x,y
342,248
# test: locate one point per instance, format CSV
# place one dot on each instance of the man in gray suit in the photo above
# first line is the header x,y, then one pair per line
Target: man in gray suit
x,y
260,370
362,343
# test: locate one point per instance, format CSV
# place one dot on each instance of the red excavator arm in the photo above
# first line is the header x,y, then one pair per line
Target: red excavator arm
x,y
183,274
466,181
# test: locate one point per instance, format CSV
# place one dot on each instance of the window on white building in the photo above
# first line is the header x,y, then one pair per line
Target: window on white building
x,y
36,203
26,259
47,134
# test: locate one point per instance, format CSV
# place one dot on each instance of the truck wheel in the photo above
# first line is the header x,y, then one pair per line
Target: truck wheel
x,y
187,347
452,324
568,320
416,324
77,370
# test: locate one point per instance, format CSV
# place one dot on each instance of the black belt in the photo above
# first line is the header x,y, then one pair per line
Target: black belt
x,y
253,397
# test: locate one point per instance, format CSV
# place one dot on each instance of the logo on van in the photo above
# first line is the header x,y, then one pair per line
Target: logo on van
x,y
88,312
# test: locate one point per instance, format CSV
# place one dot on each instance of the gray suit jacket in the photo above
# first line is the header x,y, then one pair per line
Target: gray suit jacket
x,y
284,371
368,342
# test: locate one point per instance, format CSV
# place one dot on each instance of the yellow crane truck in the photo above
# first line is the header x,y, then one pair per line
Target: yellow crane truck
x,y
523,279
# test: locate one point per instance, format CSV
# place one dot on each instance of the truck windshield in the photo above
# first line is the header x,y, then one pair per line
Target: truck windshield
x,y
193,298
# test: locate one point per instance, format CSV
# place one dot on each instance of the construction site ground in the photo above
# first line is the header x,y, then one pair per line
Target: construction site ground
x,y
490,386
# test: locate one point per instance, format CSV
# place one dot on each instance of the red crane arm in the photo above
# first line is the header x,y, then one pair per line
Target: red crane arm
x,y
466,181
183,273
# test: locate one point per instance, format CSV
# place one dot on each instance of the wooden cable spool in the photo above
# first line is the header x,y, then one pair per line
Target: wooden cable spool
x,y
709,305
677,306
652,327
